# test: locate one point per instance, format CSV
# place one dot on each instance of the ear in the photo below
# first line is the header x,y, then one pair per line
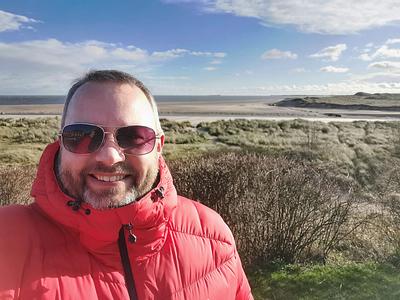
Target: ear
x,y
160,144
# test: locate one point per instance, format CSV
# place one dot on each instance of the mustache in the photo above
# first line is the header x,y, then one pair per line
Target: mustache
x,y
117,168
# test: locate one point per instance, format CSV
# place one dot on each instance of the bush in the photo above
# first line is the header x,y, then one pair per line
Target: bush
x,y
278,209
15,184
388,191
172,126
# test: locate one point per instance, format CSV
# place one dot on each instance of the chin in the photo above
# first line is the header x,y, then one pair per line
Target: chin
x,y
102,202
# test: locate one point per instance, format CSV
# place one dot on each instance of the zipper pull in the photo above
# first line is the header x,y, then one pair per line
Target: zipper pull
x,y
131,237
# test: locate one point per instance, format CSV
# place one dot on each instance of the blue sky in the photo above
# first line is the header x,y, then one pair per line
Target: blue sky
x,y
201,47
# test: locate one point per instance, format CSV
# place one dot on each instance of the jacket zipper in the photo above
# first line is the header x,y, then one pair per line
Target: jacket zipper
x,y
123,251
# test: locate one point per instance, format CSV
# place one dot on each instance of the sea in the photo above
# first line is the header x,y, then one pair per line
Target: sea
x,y
46,99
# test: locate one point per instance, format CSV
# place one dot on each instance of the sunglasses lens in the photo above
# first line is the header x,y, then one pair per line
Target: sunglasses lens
x,y
136,140
82,138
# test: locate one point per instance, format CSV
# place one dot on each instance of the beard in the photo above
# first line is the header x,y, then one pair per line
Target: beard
x,y
76,186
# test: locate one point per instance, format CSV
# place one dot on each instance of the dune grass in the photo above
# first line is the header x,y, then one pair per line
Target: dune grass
x,y
366,280
358,149
23,140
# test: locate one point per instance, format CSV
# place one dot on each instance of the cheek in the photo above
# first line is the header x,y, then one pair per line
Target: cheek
x,y
136,163
72,162
142,164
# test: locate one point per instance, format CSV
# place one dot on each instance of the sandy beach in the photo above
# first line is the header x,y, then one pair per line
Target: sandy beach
x,y
196,112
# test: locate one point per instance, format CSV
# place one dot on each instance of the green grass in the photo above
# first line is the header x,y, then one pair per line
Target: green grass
x,y
368,280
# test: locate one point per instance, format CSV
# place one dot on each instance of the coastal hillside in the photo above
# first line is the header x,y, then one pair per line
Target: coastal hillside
x,y
358,101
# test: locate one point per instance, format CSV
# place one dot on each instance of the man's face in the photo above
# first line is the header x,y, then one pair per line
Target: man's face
x,y
109,177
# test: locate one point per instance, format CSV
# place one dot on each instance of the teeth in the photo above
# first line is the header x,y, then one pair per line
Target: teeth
x,y
109,178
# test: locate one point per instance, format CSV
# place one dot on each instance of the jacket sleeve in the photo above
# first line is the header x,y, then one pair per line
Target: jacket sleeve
x,y
243,291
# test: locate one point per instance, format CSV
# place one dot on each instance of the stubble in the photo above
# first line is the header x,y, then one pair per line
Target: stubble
x,y
76,186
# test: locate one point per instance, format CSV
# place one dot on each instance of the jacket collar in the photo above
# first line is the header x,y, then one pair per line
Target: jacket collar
x,y
98,229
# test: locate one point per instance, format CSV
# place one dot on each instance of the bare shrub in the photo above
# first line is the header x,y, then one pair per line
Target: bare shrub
x,y
388,193
278,209
15,184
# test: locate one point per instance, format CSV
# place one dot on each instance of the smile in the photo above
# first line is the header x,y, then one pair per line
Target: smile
x,y
109,178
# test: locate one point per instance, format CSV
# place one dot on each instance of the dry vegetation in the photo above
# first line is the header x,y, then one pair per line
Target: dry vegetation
x,y
278,209
15,184
292,191
358,149
23,140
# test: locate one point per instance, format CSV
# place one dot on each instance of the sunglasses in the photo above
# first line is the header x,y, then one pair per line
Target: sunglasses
x,y
83,138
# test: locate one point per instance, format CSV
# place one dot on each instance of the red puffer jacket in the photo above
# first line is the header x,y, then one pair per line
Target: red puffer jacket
x,y
58,248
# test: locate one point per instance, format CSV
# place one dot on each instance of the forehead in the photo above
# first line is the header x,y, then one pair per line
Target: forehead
x,y
110,104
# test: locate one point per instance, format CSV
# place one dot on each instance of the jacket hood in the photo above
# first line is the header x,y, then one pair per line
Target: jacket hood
x,y
98,229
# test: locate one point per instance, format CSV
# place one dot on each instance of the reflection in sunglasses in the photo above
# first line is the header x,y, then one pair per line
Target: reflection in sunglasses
x,y
83,138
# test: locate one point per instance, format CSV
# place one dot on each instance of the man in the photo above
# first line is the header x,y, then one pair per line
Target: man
x,y
107,222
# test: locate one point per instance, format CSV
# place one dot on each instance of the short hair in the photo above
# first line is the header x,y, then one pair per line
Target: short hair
x,y
115,77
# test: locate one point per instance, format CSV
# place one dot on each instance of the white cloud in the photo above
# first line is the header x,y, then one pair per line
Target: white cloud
x,y
369,45
382,52
388,65
12,22
129,54
208,54
326,17
365,57
245,87
220,54
278,54
339,88
210,68
330,53
174,53
49,66
332,69
392,41
216,62
387,52
383,75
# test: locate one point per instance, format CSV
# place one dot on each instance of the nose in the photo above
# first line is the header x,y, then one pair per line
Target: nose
x,y
110,153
